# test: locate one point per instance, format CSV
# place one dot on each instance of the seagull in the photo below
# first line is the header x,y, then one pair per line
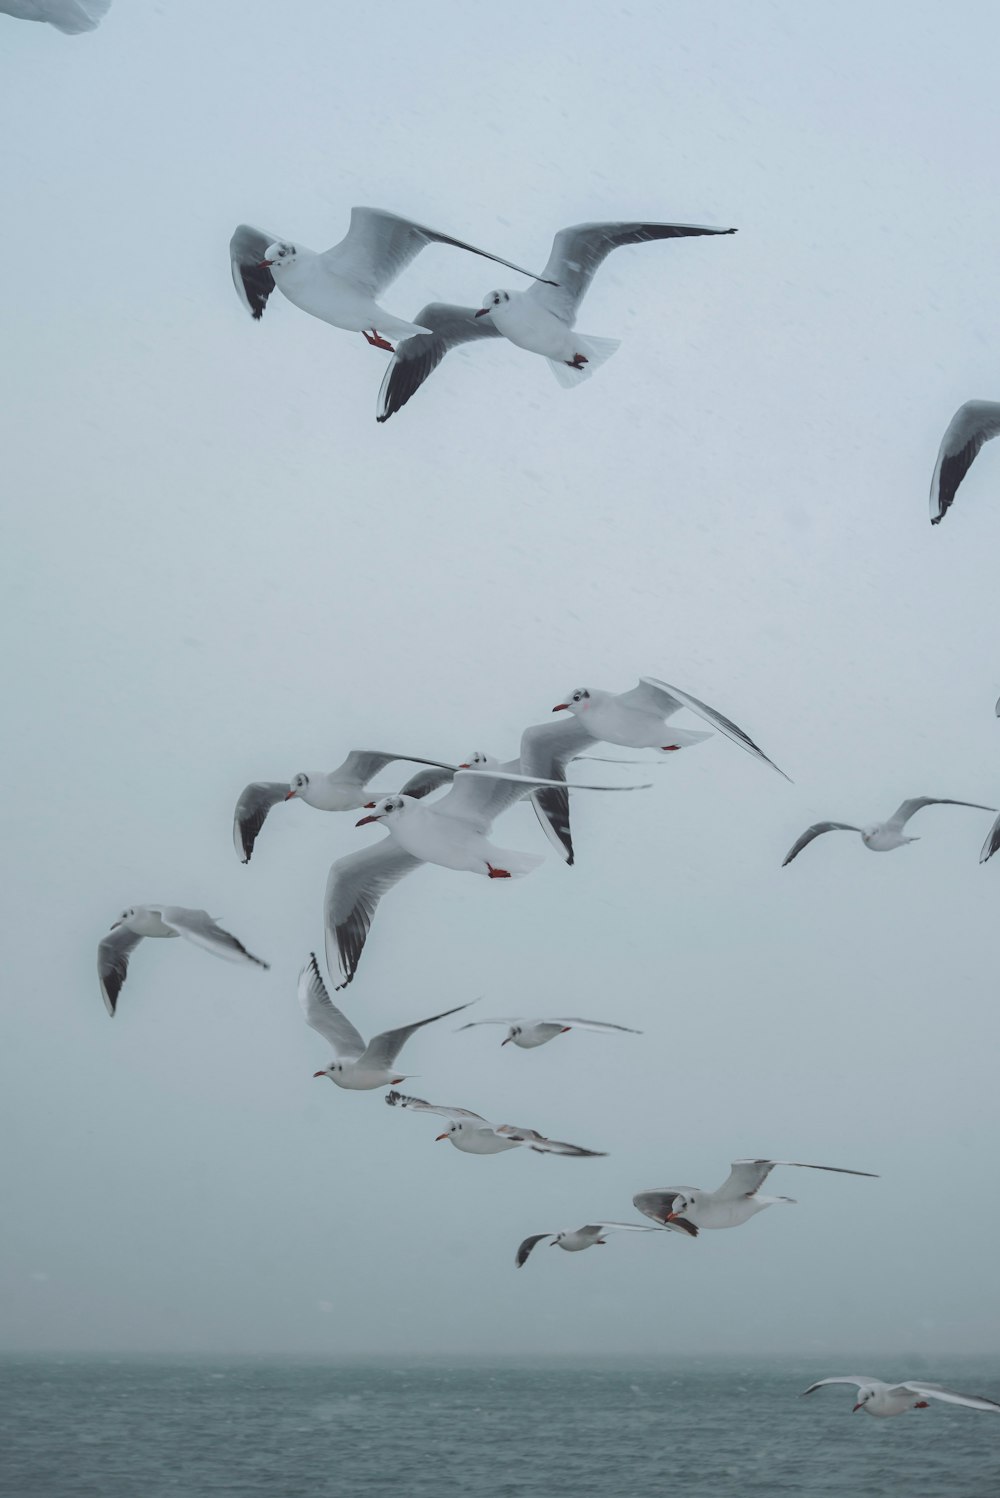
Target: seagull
x,y
359,1067
69,16
636,719
160,920
972,425
452,831
341,286
735,1201
881,837
474,1135
529,1033
580,1238
342,789
540,319
878,1398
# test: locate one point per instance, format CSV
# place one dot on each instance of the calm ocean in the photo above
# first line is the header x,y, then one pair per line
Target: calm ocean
x,y
107,1428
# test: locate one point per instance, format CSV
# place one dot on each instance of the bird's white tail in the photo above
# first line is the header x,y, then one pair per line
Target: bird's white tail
x,y
516,865
595,350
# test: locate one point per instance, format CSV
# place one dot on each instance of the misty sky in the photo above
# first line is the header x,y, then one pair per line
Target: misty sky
x,y
218,568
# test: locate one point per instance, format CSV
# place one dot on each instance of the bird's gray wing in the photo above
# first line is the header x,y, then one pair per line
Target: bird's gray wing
x,y
578,251
112,963
859,1380
401,1100
816,830
418,356
424,782
354,887
592,1024
363,764
198,927
949,1396
383,1049
907,809
252,808
72,17
992,842
535,1141
472,1023
479,796
972,425
665,696
324,1016
521,1257
546,750
747,1176
620,1227
378,246
658,1205
253,281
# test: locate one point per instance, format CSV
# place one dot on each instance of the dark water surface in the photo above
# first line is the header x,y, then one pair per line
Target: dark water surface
x,y
107,1428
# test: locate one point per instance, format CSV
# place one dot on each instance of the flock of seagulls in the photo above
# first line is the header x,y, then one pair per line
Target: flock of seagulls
x,y
445,812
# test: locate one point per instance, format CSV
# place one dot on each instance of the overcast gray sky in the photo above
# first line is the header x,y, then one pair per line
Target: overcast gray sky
x,y
219,568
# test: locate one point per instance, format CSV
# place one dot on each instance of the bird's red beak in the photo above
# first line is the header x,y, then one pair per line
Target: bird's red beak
x,y
483,311
856,1408
507,1041
440,1137
318,1074
465,767
262,264
365,820
561,707
290,794
672,1216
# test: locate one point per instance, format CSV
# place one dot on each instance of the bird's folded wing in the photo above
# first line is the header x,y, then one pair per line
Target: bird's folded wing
x,y
324,1016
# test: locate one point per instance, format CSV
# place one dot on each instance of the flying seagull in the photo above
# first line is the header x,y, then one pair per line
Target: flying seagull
x,y
972,425
342,789
880,837
474,1135
540,319
69,16
735,1201
580,1238
160,920
529,1033
341,286
452,831
358,1067
878,1398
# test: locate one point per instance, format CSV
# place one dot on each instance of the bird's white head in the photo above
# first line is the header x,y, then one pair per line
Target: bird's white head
x,y
384,810
479,761
865,1393
334,1070
279,256
491,301
557,1238
577,702
512,1034
124,918
455,1127
297,786
683,1202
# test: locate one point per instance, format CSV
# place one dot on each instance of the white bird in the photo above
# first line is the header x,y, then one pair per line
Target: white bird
x,y
342,285
637,719
529,1033
880,837
342,789
882,1399
580,1238
735,1201
475,1135
452,831
358,1067
972,425
160,920
540,319
69,16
